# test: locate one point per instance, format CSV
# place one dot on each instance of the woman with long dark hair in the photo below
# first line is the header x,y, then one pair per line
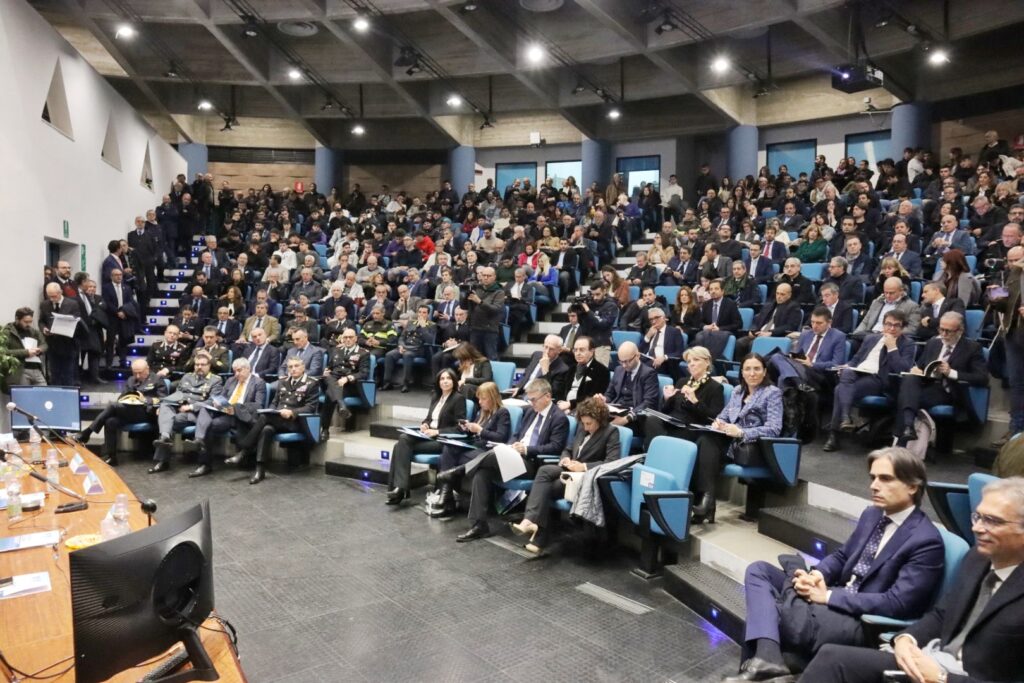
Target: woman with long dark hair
x,y
957,278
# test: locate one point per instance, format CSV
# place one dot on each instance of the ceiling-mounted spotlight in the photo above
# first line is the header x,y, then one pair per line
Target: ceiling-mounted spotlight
x,y
938,57
535,53
413,70
358,130
229,122
361,23
327,106
720,64
125,31
578,89
204,105
252,28
614,114
407,56
294,73
454,100
468,7
600,92
172,71
884,19
666,24
486,124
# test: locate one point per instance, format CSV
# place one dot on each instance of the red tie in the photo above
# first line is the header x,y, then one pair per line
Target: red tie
x,y
813,351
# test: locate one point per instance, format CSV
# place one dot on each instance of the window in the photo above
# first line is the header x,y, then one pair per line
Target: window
x,y
639,170
797,156
871,146
558,171
55,108
110,152
506,174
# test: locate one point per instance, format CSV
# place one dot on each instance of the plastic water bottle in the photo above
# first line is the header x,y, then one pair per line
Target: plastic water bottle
x,y
119,513
52,469
34,441
13,485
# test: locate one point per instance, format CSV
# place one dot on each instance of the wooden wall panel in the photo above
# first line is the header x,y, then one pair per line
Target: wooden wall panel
x,y
968,134
244,176
416,179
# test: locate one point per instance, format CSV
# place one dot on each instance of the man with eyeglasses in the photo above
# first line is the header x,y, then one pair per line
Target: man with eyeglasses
x,y
633,386
893,298
546,364
881,354
244,394
976,630
935,304
945,368
662,345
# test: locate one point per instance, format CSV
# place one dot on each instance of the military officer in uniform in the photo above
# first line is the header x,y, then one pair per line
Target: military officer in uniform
x,y
298,393
217,352
413,343
137,403
348,365
378,333
244,394
178,409
169,355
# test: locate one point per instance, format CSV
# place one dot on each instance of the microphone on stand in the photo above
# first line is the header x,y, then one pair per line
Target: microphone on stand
x,y
83,504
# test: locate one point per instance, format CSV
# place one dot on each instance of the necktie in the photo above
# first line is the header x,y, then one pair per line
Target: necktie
x,y
570,338
935,312
237,394
654,342
259,322
222,327
535,435
984,595
813,351
867,556
254,357
946,352
206,271
195,305
714,313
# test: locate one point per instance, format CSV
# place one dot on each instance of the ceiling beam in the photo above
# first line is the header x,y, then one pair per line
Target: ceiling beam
x,y
546,92
200,10
110,46
379,52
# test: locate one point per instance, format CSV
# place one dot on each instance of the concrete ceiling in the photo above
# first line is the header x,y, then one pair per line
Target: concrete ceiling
x,y
660,80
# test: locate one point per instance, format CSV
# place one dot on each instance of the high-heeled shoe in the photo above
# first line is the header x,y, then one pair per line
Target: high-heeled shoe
x,y
396,496
524,528
705,511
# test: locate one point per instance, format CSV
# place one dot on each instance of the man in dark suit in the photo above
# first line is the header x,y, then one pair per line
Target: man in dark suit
x,y
124,316
199,303
842,312
662,345
312,356
642,274
759,265
114,260
815,353
891,566
776,319
910,261
228,329
976,631
566,261
451,333
146,245
681,269
245,394
544,429
380,298
934,305
548,365
851,289
519,297
775,250
261,318
868,372
137,403
264,358
803,288
960,361
721,318
633,386
714,265
587,377
62,355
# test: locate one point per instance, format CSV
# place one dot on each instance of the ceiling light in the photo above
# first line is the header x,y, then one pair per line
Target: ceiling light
x,y
454,100
845,75
413,70
578,89
126,31
938,57
172,71
294,74
407,57
486,124
251,29
468,7
535,53
327,106
614,114
884,20
205,105
358,130
720,65
665,25
361,24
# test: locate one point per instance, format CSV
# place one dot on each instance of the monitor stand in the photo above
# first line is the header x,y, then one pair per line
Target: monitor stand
x,y
202,666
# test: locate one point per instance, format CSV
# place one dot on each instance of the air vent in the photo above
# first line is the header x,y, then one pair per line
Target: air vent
x,y
541,5
298,29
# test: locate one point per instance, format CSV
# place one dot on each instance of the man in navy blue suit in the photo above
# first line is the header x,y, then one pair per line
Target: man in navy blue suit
x,y
544,429
759,266
891,566
662,345
633,385
816,352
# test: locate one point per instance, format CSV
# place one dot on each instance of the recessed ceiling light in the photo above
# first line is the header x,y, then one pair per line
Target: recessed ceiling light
x,y
205,105
126,31
938,57
454,100
720,64
614,114
358,130
534,53
294,74
361,24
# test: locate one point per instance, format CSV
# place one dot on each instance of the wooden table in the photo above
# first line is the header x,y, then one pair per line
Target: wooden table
x,y
35,630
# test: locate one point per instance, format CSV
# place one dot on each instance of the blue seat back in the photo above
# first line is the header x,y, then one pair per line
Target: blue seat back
x,y
470,409
502,372
762,294
765,345
727,390
667,467
664,381
915,290
515,414
625,439
813,271
572,430
747,316
621,336
670,292
634,293
730,348
972,322
955,550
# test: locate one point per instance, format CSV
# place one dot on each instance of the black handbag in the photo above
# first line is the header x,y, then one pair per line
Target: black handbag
x,y
748,454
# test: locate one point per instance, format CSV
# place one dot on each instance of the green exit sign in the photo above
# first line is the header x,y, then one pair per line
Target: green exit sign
x,y
84,269
67,229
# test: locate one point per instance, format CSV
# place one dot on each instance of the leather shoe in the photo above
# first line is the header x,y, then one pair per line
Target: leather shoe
x,y
387,386
83,436
160,466
478,530
111,460
259,475
162,441
405,388
396,496
451,475
832,442
909,434
234,459
757,669
705,510
200,471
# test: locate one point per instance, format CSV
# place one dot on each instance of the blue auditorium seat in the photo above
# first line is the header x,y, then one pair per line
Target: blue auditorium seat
x,y
297,444
432,459
954,503
502,372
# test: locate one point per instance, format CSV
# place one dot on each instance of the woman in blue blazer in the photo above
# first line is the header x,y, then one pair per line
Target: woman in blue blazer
x,y
753,411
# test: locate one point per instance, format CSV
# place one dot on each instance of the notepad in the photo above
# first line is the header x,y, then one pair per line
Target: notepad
x,y
25,584
33,540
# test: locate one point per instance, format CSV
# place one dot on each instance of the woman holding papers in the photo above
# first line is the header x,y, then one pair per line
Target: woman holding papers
x,y
447,408
596,442
754,411
474,369
493,424
695,400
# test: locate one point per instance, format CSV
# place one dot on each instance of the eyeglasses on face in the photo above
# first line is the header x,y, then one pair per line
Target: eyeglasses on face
x,y
988,521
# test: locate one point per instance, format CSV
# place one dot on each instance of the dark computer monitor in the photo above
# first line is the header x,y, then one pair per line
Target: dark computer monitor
x,y
135,596
56,407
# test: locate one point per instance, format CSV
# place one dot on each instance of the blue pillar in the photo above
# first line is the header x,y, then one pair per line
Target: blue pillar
x,y
327,173
911,127
597,163
196,155
742,143
462,167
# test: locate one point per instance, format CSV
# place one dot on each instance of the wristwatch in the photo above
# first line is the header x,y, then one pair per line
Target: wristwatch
x,y
943,676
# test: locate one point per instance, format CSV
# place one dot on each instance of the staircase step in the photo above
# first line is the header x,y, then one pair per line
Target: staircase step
x,y
178,272
389,429
161,304
809,529
360,458
709,593
146,339
172,288
158,320
524,350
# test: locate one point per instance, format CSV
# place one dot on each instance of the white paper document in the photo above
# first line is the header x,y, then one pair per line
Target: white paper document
x,y
35,540
25,584
510,463
64,325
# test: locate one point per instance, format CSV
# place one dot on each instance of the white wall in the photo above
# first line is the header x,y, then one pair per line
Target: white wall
x,y
50,178
830,133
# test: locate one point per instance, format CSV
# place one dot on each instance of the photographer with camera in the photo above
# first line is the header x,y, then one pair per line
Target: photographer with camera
x,y
486,305
597,314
